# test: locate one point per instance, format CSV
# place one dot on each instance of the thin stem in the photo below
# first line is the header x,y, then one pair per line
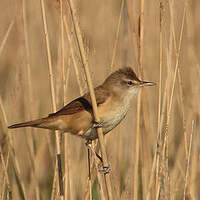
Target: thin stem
x,y
58,148
6,174
117,35
89,174
78,76
6,37
188,162
137,146
29,97
91,90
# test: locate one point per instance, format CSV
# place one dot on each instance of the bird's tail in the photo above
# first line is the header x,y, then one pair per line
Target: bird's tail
x,y
33,123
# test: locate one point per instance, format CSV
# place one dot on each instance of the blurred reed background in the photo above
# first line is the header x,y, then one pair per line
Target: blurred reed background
x,y
154,153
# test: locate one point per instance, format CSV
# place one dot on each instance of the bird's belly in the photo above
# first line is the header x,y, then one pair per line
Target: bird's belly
x,y
112,121
108,123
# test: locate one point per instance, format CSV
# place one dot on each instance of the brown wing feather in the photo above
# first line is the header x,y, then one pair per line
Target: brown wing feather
x,y
83,102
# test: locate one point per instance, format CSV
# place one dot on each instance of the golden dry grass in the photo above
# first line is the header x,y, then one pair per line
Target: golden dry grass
x,y
154,152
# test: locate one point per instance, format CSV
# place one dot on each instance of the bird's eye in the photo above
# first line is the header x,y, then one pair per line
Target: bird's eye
x,y
130,83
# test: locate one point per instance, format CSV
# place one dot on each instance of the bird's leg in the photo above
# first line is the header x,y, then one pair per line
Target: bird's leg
x,y
102,169
99,157
105,169
88,142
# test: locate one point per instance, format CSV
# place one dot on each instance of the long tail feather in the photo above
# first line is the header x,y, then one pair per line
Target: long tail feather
x,y
25,124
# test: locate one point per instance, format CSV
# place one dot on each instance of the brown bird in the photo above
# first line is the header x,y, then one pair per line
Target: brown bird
x,y
113,100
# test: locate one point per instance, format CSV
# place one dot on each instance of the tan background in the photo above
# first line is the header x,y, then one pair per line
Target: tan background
x,y
24,97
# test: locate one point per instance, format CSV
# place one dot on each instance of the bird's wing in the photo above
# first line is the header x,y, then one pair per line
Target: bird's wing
x,y
83,103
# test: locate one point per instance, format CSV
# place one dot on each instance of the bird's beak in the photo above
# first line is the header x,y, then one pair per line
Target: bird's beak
x,y
145,83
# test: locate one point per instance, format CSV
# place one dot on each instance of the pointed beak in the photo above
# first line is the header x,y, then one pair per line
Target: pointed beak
x,y
145,83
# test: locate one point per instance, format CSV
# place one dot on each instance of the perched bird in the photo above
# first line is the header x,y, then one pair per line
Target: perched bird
x,y
113,100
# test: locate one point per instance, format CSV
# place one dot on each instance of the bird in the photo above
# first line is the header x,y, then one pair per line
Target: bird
x,y
113,99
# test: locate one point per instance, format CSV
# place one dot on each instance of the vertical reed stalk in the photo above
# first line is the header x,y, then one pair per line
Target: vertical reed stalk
x,y
183,113
29,137
156,154
6,174
180,82
66,148
92,94
66,157
188,162
165,145
4,166
159,129
4,121
137,145
117,35
58,148
135,42
78,76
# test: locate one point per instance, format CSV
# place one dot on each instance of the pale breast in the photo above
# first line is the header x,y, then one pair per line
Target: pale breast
x,y
111,113
114,118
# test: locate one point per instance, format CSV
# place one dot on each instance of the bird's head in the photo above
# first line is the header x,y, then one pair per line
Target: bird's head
x,y
125,82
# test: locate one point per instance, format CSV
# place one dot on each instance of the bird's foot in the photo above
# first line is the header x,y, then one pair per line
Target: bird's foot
x,y
105,169
97,124
88,142
100,167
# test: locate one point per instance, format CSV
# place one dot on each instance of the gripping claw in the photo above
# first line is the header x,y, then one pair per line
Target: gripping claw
x,y
105,169
97,124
